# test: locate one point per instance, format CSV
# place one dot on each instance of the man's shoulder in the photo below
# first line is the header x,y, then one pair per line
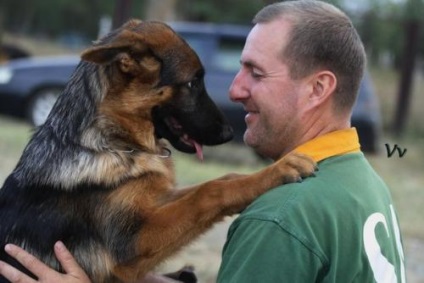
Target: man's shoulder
x,y
279,202
333,184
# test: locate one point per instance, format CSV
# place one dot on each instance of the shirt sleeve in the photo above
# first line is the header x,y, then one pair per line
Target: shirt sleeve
x,y
261,251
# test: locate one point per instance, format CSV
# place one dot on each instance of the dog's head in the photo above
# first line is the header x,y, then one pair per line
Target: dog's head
x,y
155,76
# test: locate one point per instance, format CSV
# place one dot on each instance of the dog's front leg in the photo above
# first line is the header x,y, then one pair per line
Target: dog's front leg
x,y
174,224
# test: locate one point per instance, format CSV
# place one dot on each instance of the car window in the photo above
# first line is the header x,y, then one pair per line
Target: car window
x,y
228,54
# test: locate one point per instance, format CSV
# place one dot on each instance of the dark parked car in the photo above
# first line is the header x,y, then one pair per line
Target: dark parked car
x,y
29,87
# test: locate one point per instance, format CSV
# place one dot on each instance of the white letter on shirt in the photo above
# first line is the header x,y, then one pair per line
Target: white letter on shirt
x,y
384,272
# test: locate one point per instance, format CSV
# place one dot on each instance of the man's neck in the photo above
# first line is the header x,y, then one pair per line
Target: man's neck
x,y
317,128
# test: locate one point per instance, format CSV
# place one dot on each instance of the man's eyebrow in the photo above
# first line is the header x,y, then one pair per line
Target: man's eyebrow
x,y
250,64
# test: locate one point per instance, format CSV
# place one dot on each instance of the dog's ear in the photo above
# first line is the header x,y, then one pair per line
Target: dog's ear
x,y
106,50
128,49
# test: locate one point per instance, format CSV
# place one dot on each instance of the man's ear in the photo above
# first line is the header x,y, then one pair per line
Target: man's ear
x,y
322,85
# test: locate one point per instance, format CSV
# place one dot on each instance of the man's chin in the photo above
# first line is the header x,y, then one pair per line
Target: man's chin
x,y
256,143
250,139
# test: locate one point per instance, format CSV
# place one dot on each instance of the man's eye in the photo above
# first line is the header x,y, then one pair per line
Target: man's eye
x,y
256,74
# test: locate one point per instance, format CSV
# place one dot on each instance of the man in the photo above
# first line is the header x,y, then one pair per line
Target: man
x,y
299,77
300,72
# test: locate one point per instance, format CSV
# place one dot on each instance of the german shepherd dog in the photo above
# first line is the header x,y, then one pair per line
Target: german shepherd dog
x,y
98,175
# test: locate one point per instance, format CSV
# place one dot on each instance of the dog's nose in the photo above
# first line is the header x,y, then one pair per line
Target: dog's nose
x,y
227,133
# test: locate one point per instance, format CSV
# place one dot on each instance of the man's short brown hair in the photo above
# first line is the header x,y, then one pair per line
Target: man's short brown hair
x,y
322,37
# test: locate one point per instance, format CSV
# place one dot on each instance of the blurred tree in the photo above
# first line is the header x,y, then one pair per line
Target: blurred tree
x,y
1,27
413,21
121,12
380,31
164,10
2,55
228,11
51,18
378,21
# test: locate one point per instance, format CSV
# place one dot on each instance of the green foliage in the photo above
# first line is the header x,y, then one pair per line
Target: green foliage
x,y
379,22
414,10
54,17
234,11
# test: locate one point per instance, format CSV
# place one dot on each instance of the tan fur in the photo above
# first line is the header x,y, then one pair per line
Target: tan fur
x,y
174,218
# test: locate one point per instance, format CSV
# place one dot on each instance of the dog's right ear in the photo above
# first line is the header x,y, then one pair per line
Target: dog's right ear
x,y
106,52
128,49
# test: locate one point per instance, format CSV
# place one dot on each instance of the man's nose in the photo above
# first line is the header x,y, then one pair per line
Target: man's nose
x,y
238,90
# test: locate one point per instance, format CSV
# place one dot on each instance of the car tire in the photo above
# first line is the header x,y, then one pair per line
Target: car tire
x,y
41,103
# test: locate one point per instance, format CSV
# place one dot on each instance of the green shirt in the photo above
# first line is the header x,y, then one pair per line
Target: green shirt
x,y
339,226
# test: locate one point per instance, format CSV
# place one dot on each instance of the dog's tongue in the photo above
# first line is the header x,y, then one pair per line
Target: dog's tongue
x,y
199,150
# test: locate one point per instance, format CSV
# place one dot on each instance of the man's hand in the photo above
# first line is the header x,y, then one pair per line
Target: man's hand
x,y
73,272
45,274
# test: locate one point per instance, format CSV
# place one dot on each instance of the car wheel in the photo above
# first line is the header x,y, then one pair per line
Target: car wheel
x,y
41,104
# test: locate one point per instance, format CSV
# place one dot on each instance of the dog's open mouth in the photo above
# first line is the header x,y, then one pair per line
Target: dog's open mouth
x,y
169,128
177,129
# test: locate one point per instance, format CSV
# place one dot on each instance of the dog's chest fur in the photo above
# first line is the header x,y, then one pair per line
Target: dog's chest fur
x,y
98,224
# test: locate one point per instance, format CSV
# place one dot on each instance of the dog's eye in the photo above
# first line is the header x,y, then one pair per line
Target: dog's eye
x,y
192,84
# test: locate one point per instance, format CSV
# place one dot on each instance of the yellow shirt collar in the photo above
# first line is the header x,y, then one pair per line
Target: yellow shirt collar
x,y
331,144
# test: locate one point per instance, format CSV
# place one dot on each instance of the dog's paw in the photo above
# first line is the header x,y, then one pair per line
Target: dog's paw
x,y
295,166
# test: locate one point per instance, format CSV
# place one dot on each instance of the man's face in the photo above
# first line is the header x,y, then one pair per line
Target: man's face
x,y
268,93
